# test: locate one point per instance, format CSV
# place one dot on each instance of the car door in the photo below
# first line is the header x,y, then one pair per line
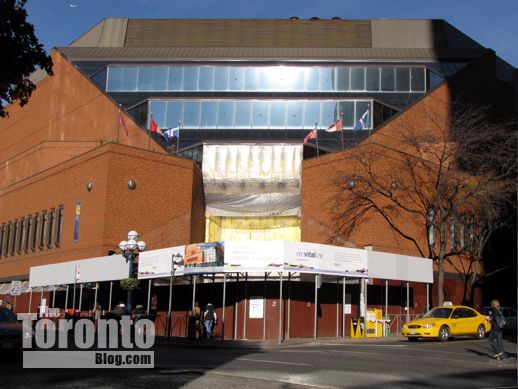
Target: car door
x,y
456,322
471,321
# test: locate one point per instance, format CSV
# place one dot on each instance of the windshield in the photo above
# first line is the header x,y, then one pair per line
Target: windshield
x,y
442,313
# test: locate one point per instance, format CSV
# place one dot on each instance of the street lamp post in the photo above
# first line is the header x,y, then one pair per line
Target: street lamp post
x,y
129,250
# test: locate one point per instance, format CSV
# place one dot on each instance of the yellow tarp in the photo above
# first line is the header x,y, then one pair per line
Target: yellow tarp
x,y
253,228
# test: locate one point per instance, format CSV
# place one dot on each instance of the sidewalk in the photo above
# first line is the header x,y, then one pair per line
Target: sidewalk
x,y
270,343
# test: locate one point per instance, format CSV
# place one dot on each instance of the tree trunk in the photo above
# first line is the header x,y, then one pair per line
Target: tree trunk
x,y
440,281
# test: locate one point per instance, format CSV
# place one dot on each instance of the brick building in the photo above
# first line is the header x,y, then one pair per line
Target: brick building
x,y
82,163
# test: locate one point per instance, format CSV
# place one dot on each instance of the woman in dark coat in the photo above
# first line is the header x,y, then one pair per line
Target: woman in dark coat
x,y
495,336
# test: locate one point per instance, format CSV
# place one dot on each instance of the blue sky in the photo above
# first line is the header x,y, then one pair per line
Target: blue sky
x,y
492,23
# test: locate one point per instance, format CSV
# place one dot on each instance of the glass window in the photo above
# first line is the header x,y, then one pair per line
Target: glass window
x,y
260,116
294,114
363,115
347,112
221,78
206,78
326,79
14,235
312,115
388,79
372,78
35,228
278,114
328,113
145,78
297,78
174,111
7,238
343,82
243,112
267,77
402,79
358,79
434,79
417,79
59,227
21,235
209,112
191,114
114,78
41,234
160,76
174,83
237,78
50,227
157,110
251,79
129,78
226,114
190,78
28,230
312,76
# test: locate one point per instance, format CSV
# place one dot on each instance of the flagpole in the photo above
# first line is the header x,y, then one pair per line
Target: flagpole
x,y
342,130
316,130
149,133
119,125
178,138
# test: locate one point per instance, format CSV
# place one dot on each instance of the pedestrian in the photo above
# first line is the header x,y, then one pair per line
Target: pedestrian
x,y
497,326
197,320
8,305
210,318
96,315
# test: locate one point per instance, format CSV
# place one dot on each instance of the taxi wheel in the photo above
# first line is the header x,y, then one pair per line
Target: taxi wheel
x,y
444,334
481,332
412,339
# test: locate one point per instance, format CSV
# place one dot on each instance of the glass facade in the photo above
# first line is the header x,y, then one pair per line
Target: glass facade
x,y
259,114
265,79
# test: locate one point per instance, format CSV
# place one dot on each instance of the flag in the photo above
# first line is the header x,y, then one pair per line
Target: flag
x,y
311,135
154,128
363,122
170,133
336,126
123,124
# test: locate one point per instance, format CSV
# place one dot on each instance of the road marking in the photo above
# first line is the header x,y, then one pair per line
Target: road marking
x,y
365,345
266,361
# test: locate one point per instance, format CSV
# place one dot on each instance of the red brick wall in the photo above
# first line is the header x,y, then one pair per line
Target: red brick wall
x,y
66,115
159,208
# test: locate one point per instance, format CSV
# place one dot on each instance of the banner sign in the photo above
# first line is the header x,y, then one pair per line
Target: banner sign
x,y
325,259
76,221
253,256
248,256
159,263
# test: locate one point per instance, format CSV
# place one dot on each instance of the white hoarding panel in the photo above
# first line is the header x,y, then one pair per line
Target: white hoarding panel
x,y
245,256
159,263
108,268
388,266
325,259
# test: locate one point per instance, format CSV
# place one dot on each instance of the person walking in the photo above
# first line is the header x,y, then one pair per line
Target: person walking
x,y
497,326
209,319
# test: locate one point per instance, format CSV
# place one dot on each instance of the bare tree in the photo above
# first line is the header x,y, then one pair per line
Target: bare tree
x,y
425,175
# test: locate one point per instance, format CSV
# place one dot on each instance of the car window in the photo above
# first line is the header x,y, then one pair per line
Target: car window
x,y
470,312
458,313
508,312
6,315
442,313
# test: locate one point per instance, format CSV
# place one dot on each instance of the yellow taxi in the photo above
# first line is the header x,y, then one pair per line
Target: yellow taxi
x,y
447,321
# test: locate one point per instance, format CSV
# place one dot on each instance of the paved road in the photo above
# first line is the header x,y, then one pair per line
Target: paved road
x,y
394,363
